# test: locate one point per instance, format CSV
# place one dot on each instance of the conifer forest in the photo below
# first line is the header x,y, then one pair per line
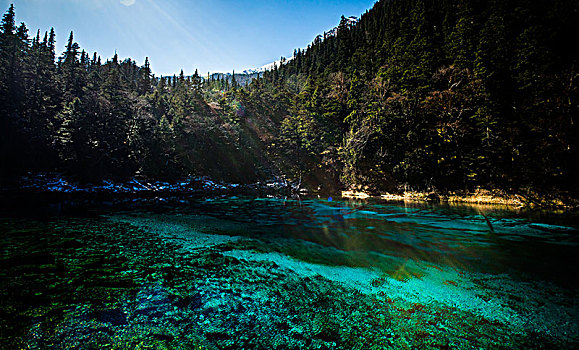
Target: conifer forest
x,y
408,180
424,94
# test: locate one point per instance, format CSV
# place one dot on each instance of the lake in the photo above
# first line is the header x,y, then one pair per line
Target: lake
x,y
238,272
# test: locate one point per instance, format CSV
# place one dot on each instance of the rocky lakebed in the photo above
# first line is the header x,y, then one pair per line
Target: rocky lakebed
x,y
268,273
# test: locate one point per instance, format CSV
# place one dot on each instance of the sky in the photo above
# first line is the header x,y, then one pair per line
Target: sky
x,y
210,35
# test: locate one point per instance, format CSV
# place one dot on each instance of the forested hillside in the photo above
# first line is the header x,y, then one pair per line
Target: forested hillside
x,y
450,95
446,94
94,120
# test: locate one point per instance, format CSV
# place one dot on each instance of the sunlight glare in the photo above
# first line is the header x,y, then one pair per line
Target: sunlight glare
x,y
128,2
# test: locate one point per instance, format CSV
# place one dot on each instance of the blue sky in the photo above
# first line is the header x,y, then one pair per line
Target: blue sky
x,y
211,35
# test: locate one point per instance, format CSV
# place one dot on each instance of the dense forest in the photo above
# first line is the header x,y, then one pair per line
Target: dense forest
x,y
422,94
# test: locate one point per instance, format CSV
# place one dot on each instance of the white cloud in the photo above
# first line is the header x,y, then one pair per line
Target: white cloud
x,y
128,2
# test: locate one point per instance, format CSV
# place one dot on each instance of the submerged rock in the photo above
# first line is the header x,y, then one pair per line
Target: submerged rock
x,y
114,317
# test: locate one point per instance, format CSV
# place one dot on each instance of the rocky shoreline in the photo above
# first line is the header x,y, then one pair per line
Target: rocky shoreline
x,y
479,197
56,184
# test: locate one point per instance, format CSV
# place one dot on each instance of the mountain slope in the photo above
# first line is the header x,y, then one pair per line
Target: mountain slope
x,y
422,94
349,21
452,94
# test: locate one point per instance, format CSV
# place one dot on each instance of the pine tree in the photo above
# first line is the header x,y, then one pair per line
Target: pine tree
x,y
197,83
13,47
233,81
144,83
73,75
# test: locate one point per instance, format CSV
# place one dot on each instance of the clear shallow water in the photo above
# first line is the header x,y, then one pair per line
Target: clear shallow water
x,y
536,245
515,268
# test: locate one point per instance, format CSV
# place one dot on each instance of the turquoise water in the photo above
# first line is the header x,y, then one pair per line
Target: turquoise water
x,y
515,243
230,272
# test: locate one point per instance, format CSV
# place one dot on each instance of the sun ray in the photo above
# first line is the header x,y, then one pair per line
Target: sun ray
x,y
209,48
